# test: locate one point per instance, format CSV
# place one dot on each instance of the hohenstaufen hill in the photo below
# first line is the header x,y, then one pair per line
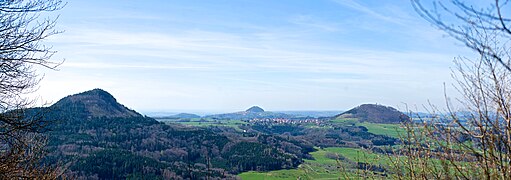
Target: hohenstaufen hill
x,y
255,109
254,112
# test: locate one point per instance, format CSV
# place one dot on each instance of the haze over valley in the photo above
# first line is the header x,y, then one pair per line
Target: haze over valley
x,y
94,133
255,90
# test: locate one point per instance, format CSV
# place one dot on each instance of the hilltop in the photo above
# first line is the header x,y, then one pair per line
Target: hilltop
x,y
375,113
255,109
95,103
250,113
99,138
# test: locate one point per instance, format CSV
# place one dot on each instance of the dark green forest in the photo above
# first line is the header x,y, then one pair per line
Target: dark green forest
x,y
95,144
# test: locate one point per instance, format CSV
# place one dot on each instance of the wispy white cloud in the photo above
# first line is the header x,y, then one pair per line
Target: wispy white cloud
x,y
106,65
300,60
225,52
310,21
368,11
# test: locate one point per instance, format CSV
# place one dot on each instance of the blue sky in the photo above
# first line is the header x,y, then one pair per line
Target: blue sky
x,y
226,55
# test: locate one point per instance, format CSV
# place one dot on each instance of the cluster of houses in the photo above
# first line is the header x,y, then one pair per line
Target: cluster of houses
x,y
315,121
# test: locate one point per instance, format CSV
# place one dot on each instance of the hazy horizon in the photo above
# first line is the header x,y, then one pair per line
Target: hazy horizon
x,y
226,56
206,112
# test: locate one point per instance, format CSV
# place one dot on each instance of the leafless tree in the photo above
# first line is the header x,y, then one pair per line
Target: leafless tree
x,y
22,30
475,144
486,30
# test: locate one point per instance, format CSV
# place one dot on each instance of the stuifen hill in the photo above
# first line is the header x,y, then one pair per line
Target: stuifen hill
x,y
98,138
375,113
95,103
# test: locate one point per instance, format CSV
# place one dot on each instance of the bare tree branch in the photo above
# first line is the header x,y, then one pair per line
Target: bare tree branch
x,y
21,32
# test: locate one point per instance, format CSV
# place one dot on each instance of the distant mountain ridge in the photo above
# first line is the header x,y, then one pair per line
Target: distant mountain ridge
x,y
251,113
375,113
180,115
94,104
313,114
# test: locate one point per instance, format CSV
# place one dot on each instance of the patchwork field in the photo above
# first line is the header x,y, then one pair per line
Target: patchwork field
x,y
203,122
328,163
392,130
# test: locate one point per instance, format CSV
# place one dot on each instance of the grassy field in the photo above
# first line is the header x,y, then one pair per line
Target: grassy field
x,y
392,130
325,167
322,167
303,172
207,122
345,121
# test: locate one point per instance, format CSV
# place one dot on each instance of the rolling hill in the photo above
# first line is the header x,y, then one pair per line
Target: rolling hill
x,y
95,103
374,113
98,138
250,113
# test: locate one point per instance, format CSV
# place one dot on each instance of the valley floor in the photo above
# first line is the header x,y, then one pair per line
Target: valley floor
x,y
324,166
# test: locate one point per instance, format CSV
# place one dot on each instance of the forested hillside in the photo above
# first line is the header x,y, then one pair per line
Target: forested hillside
x,y
95,137
375,113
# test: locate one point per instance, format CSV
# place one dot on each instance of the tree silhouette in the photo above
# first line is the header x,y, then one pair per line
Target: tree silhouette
x,y
22,31
475,144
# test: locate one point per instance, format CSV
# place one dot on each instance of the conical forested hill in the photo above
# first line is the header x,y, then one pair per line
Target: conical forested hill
x,y
94,103
375,113
98,138
255,109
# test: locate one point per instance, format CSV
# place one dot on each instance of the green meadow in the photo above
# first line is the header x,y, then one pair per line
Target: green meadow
x,y
392,130
322,167
207,122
